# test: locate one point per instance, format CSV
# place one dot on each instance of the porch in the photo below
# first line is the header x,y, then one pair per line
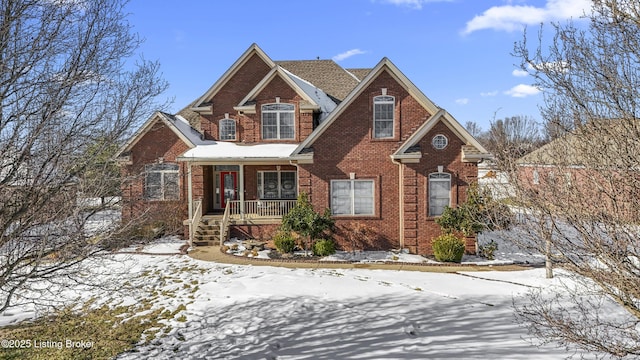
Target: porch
x,y
208,229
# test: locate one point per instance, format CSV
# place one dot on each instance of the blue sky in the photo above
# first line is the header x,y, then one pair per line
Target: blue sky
x,y
458,52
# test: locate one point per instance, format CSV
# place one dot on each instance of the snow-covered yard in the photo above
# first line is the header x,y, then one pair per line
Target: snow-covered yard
x,y
263,312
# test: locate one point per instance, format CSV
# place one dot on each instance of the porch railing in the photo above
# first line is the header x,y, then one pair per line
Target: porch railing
x,y
224,224
193,223
257,209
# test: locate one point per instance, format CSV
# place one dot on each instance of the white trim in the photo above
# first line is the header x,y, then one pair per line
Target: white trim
x,y
163,173
253,49
384,65
391,102
286,76
429,190
353,197
260,184
278,113
235,129
148,125
435,146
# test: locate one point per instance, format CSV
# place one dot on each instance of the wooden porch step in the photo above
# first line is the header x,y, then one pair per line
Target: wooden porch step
x,y
208,232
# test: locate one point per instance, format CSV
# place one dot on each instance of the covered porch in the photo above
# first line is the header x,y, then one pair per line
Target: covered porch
x,y
240,183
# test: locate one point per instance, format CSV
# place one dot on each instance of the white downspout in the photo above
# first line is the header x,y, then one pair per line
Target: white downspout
x,y
190,202
400,200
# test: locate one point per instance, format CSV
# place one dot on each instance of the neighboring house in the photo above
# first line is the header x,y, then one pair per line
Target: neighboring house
x,y
593,170
365,143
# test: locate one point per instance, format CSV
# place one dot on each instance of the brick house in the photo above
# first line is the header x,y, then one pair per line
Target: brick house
x,y
591,171
365,143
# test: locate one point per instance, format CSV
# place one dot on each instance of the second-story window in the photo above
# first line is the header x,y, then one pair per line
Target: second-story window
x,y
227,129
278,121
383,109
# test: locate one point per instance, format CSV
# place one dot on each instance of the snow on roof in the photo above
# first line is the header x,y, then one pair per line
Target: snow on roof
x,y
318,95
185,128
214,150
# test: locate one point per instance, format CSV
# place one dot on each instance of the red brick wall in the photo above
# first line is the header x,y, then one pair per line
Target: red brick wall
x,y
248,126
347,146
420,228
236,88
158,142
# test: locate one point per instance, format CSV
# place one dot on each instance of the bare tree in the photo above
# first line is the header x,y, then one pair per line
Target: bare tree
x,y
513,136
473,128
68,91
581,190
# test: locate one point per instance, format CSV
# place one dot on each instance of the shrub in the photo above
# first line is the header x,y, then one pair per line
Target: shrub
x,y
488,250
284,242
448,248
324,247
303,219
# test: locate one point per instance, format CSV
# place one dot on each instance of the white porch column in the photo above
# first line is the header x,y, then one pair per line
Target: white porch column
x,y
241,197
189,191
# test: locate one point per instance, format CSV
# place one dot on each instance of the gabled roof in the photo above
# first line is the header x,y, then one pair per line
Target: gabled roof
x,y
325,74
471,151
316,98
253,49
438,114
179,125
359,73
384,65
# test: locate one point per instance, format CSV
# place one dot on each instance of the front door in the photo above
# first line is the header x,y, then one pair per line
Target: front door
x,y
229,181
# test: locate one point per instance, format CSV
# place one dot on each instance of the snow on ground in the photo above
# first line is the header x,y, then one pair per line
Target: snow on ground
x,y
263,312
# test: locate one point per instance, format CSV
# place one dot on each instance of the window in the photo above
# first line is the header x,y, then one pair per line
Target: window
x,y
439,141
277,185
536,177
278,121
439,193
227,129
161,182
383,109
352,197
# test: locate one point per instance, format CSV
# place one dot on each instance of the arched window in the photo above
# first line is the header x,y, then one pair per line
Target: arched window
x,y
383,110
439,193
227,129
278,121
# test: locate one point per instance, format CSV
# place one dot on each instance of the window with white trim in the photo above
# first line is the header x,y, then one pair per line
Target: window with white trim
x,y
227,129
352,197
439,193
439,142
383,110
278,121
161,182
277,185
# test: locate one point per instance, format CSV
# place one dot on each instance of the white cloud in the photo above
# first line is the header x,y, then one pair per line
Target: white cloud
x,y
462,101
514,17
519,73
414,4
490,93
348,54
523,90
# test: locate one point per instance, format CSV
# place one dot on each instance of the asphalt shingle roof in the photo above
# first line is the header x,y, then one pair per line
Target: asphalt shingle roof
x,y
325,74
